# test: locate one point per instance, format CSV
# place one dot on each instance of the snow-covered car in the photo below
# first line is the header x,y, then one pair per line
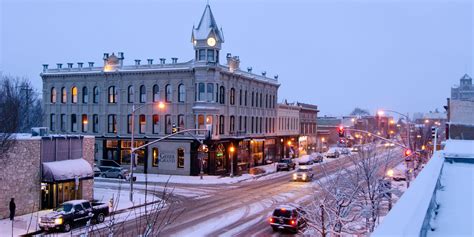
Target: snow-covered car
x,y
303,173
305,160
286,164
344,151
287,217
118,173
333,152
317,157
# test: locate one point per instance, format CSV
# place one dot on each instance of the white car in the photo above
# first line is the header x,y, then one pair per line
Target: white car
x,y
333,152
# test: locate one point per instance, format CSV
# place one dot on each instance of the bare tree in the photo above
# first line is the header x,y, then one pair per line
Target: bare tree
x,y
359,112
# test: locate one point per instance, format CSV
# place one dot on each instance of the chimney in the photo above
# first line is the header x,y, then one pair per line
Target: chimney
x,y
162,60
249,69
137,62
121,58
45,67
264,73
60,65
106,56
276,77
233,62
150,61
79,65
69,65
174,60
91,64
229,58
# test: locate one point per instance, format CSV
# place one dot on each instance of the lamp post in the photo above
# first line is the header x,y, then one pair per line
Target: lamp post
x,y
381,112
231,150
161,105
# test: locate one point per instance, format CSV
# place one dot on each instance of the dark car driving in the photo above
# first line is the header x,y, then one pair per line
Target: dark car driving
x,y
286,164
287,218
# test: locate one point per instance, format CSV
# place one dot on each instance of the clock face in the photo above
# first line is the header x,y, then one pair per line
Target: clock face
x,y
211,41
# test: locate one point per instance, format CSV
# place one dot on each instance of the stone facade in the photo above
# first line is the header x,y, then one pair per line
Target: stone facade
x,y
20,177
88,155
465,91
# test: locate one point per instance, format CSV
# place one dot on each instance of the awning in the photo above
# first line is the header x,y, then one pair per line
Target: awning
x,y
66,170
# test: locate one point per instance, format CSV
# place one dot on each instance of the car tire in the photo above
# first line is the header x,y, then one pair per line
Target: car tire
x,y
119,176
275,228
103,176
100,218
66,227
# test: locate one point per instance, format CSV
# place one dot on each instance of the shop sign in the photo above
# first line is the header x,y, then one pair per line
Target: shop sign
x,y
167,158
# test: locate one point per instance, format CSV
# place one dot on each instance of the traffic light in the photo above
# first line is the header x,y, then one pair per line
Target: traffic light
x,y
434,132
340,131
174,129
407,152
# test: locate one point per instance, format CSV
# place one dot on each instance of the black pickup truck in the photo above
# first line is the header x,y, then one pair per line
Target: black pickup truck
x,y
73,213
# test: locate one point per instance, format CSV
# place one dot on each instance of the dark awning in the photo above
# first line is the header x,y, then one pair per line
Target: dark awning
x,y
66,170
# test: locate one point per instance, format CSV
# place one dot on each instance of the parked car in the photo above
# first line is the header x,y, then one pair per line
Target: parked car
x,y
398,175
118,173
97,171
333,152
303,173
73,213
105,165
286,164
287,218
305,160
317,157
344,151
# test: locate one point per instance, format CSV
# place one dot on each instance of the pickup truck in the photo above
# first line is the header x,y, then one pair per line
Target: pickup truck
x,y
73,213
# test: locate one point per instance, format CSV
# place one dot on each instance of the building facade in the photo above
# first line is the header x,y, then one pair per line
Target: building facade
x,y
465,90
202,93
308,140
53,169
288,129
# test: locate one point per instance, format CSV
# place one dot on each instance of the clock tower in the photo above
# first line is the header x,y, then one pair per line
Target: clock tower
x,y
207,38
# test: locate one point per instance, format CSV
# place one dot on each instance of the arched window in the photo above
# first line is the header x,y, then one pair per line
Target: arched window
x,y
74,95
201,91
181,93
96,95
253,95
169,93
156,93
232,96
156,123
112,94
266,100
221,124
245,98
210,92
142,120
180,158
232,124
53,95
154,155
181,122
261,100
222,95
142,94
85,95
130,94
63,95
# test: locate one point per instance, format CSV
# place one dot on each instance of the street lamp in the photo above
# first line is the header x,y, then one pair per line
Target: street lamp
x,y
161,105
232,150
382,112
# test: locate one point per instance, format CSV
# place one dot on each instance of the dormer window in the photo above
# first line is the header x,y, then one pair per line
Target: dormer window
x,y
202,55
210,55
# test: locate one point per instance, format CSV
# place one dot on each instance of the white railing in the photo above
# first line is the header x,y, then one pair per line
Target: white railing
x,y
412,214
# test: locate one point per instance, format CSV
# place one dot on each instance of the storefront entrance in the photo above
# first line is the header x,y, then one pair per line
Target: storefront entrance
x,y
53,194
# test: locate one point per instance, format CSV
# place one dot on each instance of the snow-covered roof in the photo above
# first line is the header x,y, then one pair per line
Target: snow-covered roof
x,y
66,170
206,25
459,148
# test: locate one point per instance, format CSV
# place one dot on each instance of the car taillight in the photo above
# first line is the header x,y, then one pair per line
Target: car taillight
x,y
271,220
293,222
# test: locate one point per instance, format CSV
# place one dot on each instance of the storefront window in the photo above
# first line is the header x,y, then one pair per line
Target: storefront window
x,y
180,156
220,157
155,156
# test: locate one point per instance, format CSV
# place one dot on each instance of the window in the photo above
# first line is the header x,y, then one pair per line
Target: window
x,y
112,94
181,93
256,99
210,92
129,123
180,157
74,95
130,94
181,124
252,123
169,93
240,97
52,122
252,98
63,122
266,101
201,122
202,54
85,95
156,123
156,93
232,96
240,123
232,124
73,123
96,95
53,95
201,91
142,120
245,98
84,122
222,95
95,123
155,156
168,124
210,55
112,123
142,94
245,123
217,93
63,95
260,122
221,124
261,100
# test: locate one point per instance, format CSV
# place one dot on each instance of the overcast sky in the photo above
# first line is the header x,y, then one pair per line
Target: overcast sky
x,y
338,54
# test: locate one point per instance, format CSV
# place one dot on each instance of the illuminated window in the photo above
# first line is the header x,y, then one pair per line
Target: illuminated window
x,y
156,123
53,95
112,123
74,95
63,95
180,157
142,123
84,123
155,156
112,95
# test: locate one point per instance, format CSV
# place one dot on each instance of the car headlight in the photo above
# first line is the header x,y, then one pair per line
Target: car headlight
x,y
295,176
58,221
304,176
